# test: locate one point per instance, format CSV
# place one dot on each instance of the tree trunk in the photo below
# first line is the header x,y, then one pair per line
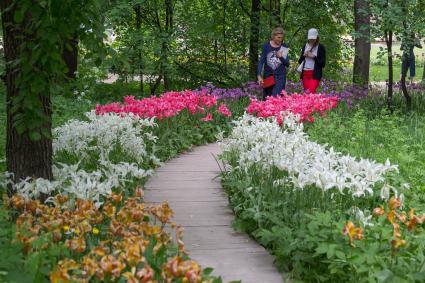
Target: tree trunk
x,y
70,56
276,13
362,43
137,10
254,38
423,74
168,30
405,59
285,11
389,42
216,50
24,157
404,67
271,13
225,34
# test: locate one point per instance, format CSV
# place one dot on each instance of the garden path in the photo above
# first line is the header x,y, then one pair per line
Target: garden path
x,y
191,185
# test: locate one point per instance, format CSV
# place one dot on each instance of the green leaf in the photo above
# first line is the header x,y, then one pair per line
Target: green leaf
x,y
340,255
384,275
207,271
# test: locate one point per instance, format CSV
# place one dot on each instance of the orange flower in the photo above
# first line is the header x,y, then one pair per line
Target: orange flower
x,y
60,275
396,231
61,199
109,210
76,245
111,265
116,198
133,255
393,203
139,192
391,216
353,232
99,251
57,235
145,274
17,201
379,211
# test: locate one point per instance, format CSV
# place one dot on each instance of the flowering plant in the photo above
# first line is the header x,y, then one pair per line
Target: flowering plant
x,y
303,105
123,240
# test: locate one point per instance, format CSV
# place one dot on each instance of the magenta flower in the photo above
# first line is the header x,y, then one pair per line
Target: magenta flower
x,y
222,109
207,118
304,105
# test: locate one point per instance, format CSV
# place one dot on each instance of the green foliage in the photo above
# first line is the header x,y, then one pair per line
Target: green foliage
x,y
208,40
12,267
44,27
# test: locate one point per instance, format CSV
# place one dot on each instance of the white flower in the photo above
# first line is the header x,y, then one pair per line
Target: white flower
x,y
119,145
262,143
385,192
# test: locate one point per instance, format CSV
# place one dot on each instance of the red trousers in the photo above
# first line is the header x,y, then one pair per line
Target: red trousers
x,y
309,82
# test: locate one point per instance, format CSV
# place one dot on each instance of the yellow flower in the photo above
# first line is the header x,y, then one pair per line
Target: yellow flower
x,y
95,231
353,232
66,228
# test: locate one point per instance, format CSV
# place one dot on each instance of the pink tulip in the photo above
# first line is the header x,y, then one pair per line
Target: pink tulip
x,y
304,105
207,118
167,105
222,109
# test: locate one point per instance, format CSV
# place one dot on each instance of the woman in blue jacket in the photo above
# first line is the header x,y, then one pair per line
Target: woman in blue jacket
x,y
274,59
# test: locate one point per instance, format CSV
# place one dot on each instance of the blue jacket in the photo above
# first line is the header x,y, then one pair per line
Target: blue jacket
x,y
269,60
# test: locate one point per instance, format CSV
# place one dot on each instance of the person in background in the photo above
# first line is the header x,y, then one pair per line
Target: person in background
x,y
312,61
274,60
408,58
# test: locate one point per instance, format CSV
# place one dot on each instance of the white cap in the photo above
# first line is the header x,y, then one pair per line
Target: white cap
x,y
313,33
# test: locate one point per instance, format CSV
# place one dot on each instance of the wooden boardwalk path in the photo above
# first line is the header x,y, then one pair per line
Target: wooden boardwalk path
x,y
191,185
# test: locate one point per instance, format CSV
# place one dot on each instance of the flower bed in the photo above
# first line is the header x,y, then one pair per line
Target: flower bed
x,y
303,104
167,105
318,211
91,227
123,240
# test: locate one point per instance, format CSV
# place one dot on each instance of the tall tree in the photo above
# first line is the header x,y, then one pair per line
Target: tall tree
x,y
407,41
362,42
254,38
139,44
34,34
28,147
165,45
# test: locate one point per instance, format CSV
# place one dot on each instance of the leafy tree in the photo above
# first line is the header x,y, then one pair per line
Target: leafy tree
x,y
35,33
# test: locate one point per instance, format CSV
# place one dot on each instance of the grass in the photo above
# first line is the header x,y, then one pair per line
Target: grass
x,y
380,73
